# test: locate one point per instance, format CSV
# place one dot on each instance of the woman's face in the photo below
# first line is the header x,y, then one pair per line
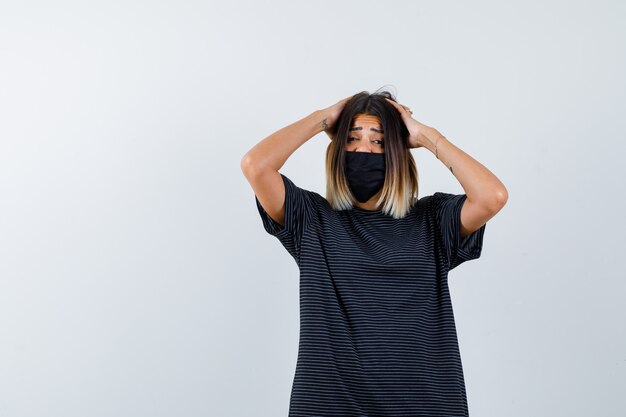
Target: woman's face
x,y
365,135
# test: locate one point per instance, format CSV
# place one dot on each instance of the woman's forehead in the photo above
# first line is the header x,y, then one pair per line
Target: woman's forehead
x,y
362,122
365,118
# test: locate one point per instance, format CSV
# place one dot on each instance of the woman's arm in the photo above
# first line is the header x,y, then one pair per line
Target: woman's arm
x,y
261,163
272,152
486,194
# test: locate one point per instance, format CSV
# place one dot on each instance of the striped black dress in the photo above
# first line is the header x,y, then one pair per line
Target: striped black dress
x,y
377,330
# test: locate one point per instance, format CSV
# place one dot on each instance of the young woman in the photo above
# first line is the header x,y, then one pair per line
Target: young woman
x,y
377,330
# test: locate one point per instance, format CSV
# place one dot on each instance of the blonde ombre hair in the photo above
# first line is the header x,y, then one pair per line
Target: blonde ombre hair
x,y
400,190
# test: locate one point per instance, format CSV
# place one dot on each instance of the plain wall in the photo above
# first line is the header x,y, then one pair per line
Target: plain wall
x,y
135,275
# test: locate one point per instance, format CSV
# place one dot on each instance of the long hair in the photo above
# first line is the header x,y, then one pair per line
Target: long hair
x,y
400,189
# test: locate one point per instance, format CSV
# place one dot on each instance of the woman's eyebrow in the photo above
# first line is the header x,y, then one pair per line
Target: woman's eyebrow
x,y
371,128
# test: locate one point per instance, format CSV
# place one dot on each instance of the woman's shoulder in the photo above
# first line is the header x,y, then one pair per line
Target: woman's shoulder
x,y
310,197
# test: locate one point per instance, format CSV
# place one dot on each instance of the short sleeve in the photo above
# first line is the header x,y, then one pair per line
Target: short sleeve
x,y
446,209
299,204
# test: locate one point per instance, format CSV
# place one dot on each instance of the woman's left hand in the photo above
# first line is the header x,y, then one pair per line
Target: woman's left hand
x,y
417,130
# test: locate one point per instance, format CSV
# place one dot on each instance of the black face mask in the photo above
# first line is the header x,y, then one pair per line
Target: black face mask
x,y
366,173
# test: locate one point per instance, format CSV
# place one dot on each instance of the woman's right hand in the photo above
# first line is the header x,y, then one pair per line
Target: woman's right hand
x,y
331,115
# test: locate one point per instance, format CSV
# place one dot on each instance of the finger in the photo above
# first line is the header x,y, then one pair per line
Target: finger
x,y
399,106
406,108
393,103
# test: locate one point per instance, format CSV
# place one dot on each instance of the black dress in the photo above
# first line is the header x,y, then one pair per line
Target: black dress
x,y
377,330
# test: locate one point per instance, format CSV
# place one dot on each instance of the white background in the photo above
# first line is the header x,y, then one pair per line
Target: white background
x,y
135,275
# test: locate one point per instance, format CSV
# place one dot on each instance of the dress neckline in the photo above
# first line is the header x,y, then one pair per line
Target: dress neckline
x,y
362,210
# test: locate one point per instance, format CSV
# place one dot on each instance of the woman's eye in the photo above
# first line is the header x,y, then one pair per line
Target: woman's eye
x,y
377,141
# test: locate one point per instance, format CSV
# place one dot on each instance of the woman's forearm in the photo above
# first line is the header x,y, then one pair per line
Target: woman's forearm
x,y
273,151
480,184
